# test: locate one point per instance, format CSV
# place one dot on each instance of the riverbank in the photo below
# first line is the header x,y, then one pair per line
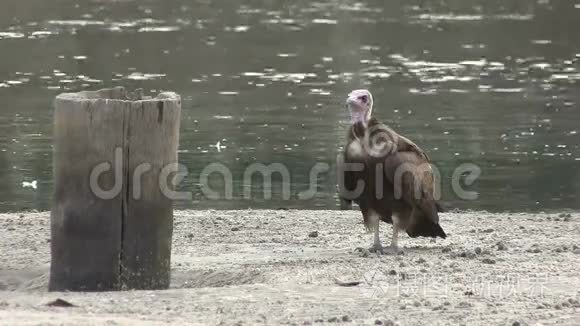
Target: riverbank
x,y
306,267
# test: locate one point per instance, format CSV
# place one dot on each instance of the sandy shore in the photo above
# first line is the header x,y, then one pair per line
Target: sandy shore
x,y
293,267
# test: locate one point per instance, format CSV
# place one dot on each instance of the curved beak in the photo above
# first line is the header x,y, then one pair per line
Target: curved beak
x,y
357,111
351,101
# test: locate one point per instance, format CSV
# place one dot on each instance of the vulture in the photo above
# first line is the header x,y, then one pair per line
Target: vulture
x,y
388,176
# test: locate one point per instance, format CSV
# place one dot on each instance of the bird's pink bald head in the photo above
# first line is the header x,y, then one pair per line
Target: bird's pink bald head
x,y
360,105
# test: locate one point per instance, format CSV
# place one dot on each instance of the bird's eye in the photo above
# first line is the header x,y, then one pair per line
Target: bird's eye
x,y
363,98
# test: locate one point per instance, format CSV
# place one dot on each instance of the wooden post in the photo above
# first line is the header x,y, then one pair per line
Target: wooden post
x,y
111,223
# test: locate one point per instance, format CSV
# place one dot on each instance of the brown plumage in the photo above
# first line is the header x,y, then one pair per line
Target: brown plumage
x,y
397,178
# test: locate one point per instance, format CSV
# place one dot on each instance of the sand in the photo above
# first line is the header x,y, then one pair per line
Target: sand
x,y
307,267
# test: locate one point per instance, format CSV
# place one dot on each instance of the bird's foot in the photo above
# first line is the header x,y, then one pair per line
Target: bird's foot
x,y
377,248
393,250
390,250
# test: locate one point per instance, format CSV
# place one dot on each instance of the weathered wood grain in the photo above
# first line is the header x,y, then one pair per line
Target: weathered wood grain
x,y
107,237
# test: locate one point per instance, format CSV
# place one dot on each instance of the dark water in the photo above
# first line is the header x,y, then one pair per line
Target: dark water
x,y
495,83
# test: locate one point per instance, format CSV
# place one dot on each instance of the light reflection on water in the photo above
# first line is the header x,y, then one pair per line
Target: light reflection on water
x,y
495,84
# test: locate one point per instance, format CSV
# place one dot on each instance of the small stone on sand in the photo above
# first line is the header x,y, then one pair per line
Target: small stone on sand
x,y
60,303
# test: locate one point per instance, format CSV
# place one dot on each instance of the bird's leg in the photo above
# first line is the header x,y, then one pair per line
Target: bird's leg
x,y
377,246
394,247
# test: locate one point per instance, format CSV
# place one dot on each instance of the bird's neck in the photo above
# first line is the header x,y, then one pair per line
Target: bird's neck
x,y
358,115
